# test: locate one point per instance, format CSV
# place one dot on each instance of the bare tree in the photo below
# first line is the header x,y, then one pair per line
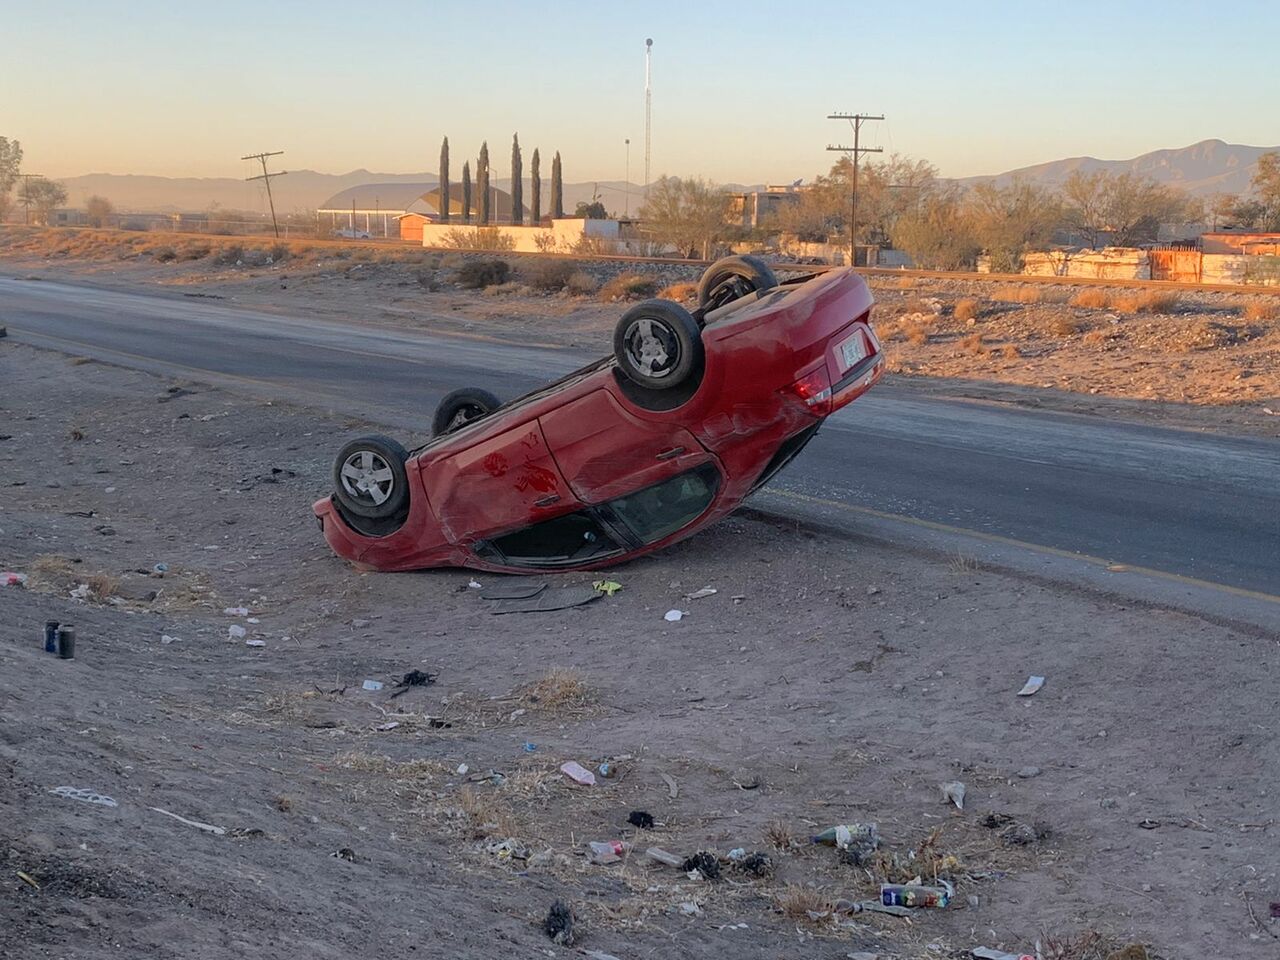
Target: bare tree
x,y
1126,207
688,214
98,210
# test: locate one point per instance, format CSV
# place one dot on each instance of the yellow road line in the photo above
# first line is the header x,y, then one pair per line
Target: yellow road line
x,y
1034,547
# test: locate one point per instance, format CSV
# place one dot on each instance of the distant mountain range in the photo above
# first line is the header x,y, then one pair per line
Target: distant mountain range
x,y
1201,169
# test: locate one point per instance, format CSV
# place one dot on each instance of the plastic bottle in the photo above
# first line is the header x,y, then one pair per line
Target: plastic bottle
x,y
844,834
916,895
610,851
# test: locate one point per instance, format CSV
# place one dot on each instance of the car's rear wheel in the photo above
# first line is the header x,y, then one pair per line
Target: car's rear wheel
x,y
732,278
369,477
461,407
658,345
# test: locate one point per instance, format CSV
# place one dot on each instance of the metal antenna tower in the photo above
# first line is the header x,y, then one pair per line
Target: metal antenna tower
x,y
648,108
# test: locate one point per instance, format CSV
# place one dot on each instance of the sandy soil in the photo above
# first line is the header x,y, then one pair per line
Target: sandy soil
x,y
827,681
1210,361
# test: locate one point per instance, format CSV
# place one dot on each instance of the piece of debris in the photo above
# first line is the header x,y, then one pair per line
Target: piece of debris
x,y
641,819
88,796
663,857
703,862
206,827
10,578
1022,835
578,773
174,393
508,849
372,685
559,924
474,584
986,953
700,594
673,788
166,639
25,878
607,587
414,678
1274,907
1026,773
1149,824
607,851
673,616
690,909
236,632
236,611
251,642
916,895
846,834
558,598
517,588
757,863
346,853
389,725
870,906
1033,684
462,769
993,821
953,792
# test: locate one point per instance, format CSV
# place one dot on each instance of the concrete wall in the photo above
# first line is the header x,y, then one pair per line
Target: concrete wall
x,y
1118,263
561,236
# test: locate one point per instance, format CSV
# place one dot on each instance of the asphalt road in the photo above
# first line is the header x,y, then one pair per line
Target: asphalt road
x,y
1181,504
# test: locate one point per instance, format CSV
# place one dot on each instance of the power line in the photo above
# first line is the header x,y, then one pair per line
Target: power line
x,y
266,178
855,121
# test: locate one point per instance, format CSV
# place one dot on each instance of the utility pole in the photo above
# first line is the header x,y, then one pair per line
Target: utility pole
x,y
855,121
648,109
627,180
266,178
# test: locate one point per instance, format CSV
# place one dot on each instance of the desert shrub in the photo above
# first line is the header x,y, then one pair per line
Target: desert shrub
x,y
427,279
1262,310
973,345
967,309
507,289
476,274
1148,301
581,283
1091,298
196,251
1010,351
1017,293
917,305
546,242
586,246
550,276
906,283
164,254
230,255
627,286
477,238
679,292
279,252
1063,326
916,333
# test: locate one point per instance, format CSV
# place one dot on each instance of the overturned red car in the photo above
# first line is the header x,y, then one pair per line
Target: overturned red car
x,y
693,412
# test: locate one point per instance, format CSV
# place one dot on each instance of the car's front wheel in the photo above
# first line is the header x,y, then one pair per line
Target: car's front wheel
x,y
658,345
459,408
369,477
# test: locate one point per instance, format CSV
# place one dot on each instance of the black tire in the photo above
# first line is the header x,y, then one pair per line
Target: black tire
x,y
375,485
732,278
461,407
658,345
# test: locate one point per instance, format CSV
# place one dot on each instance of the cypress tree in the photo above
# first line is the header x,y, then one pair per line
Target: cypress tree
x,y
466,191
443,206
557,189
482,183
535,190
517,181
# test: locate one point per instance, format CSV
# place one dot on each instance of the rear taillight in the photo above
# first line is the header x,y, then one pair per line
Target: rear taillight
x,y
815,390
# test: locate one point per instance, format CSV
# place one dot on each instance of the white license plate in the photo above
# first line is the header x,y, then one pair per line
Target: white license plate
x,y
853,350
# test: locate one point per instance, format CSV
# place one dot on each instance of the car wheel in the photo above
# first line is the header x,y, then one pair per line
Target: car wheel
x,y
369,477
731,278
657,344
459,408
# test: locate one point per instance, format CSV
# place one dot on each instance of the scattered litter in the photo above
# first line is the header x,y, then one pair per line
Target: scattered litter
x,y
1022,835
703,862
986,953
559,598
1274,906
757,863
559,923
235,631
953,792
846,834
598,955
513,589
673,788
508,849
700,594
165,638
414,678
437,723
10,578
993,821
671,616
236,611
916,895
608,851
1026,773
530,747
641,819
81,592
578,773
474,584
346,853
27,879
160,569
663,857
690,909
389,725
252,620
462,769
1031,686
206,827
252,642
1149,824
870,906
607,587
371,685
88,796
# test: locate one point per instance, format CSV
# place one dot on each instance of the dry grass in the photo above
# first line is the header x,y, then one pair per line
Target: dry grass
x,y
1064,325
1010,351
80,361
1089,945
1261,310
962,563
679,292
778,834
487,814
917,305
629,286
906,283
1146,301
556,691
917,332
797,902
1018,293
102,585
972,345
75,434
390,769
582,284
1094,337
1091,298
967,309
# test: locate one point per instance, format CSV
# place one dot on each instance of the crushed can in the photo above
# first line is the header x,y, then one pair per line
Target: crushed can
x,y
916,895
51,636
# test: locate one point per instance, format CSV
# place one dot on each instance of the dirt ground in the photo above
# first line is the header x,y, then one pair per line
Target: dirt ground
x,y
827,681
1200,360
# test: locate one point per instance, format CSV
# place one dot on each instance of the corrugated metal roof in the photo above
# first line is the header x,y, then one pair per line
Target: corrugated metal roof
x,y
385,197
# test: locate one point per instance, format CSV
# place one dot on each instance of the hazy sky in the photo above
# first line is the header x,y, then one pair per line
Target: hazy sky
x,y
740,90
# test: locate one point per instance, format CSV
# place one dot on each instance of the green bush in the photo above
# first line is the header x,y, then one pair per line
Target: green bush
x,y
476,274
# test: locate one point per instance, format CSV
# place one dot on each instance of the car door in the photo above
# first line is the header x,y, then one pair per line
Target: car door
x,y
604,452
501,483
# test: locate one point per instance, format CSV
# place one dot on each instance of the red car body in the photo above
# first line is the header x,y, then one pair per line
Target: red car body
x,y
591,470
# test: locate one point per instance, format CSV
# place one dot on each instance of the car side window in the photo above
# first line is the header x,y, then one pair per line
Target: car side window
x,y
572,538
662,509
